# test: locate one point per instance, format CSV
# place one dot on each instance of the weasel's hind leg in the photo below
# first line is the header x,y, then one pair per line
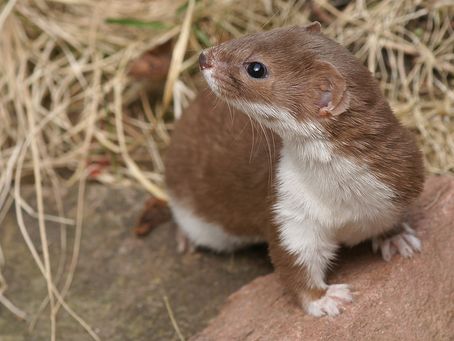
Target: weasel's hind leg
x,y
401,240
184,244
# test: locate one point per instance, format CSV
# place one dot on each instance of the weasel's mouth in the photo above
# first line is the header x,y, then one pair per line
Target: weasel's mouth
x,y
211,81
222,85
207,67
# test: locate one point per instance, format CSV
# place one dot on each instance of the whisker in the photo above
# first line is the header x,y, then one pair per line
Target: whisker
x,y
270,158
230,112
253,137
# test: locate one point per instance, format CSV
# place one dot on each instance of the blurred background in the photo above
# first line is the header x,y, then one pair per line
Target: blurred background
x,y
89,91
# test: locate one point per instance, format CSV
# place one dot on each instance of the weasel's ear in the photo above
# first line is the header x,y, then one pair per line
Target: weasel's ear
x,y
334,98
313,27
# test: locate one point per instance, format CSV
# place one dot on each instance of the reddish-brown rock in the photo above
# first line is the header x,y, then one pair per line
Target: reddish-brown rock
x,y
405,299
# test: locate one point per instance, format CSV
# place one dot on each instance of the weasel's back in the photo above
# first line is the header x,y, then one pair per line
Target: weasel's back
x,y
221,165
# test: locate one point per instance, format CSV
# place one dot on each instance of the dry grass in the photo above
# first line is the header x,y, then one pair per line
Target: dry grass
x,y
70,113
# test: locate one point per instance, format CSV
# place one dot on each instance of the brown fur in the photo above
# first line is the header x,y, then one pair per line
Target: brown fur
x,y
223,166
367,131
232,162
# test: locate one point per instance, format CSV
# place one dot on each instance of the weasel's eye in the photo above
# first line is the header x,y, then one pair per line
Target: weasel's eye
x,y
256,70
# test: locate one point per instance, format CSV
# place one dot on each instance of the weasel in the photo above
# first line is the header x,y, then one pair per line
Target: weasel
x,y
294,145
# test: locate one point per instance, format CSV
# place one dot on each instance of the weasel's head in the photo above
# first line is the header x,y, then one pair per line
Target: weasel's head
x,y
280,78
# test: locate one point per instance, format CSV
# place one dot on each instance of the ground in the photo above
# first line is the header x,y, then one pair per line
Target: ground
x,y
121,281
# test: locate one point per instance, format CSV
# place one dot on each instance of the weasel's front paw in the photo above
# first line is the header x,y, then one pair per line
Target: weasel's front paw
x,y
404,242
332,302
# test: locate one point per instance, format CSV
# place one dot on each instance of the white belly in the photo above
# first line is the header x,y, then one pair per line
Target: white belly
x,y
204,233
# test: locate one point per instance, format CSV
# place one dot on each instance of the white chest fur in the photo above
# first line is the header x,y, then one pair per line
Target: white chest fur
x,y
331,192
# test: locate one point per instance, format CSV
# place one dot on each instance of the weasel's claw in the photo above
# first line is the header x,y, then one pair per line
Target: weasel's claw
x,y
405,243
184,245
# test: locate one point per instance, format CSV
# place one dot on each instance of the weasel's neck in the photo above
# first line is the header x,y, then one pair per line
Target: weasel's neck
x,y
308,150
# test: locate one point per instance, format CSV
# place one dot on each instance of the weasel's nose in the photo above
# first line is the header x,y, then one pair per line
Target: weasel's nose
x,y
203,62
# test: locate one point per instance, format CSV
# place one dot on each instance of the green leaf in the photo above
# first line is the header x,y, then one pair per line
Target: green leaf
x,y
202,37
182,8
131,22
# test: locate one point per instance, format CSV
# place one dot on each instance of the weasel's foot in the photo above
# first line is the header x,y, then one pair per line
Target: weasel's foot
x,y
332,302
184,244
405,242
